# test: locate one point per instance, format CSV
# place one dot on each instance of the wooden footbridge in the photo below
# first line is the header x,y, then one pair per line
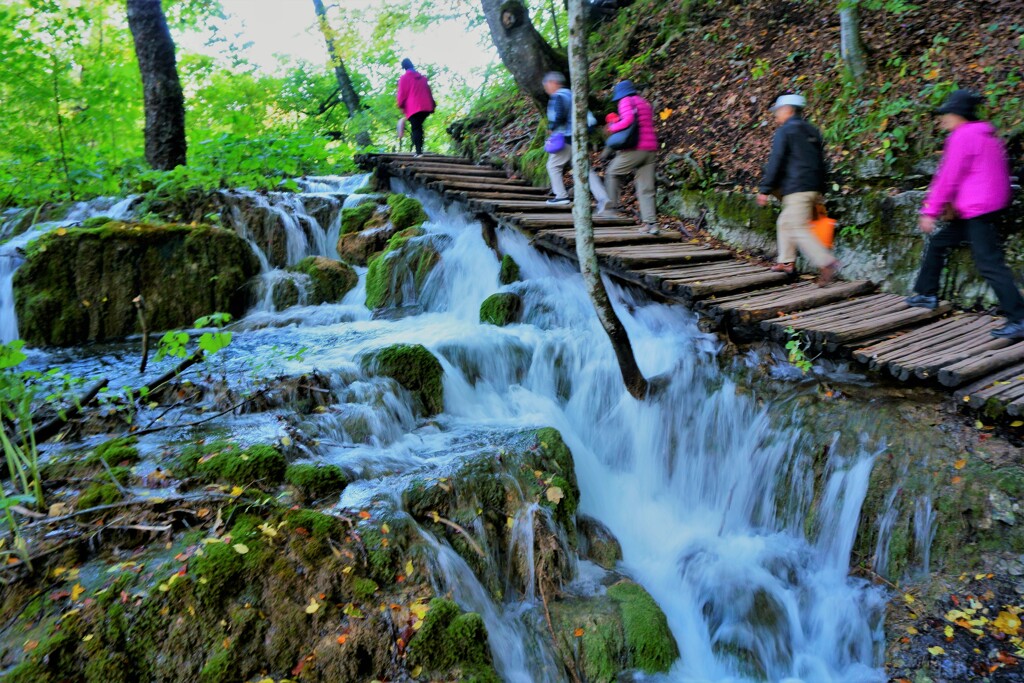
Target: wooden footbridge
x,y
844,319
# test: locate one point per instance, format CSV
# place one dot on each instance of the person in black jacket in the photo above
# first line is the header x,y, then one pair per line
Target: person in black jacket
x,y
796,171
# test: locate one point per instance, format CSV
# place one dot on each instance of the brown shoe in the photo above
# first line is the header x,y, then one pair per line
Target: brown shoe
x,y
787,268
828,273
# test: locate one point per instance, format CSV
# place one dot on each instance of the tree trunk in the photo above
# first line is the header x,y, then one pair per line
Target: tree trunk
x,y
523,51
635,382
850,44
348,94
164,102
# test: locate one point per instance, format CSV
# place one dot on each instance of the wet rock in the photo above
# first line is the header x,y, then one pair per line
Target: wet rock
x,y
313,481
330,280
396,276
222,461
603,636
286,293
359,217
501,309
77,285
405,212
415,368
509,270
1001,508
451,641
597,543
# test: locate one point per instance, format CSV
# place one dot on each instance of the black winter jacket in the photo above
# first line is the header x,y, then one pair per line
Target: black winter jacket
x,y
797,161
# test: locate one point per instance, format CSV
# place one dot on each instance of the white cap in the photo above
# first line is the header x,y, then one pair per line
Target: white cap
x,y
791,100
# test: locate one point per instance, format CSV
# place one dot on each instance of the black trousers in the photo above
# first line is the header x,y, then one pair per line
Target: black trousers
x,y
987,250
416,123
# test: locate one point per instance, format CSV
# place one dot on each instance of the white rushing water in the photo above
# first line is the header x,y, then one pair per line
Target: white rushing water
x,y
706,489
706,495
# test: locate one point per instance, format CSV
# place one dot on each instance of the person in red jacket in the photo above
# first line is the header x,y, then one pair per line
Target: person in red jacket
x,y
972,186
640,161
416,101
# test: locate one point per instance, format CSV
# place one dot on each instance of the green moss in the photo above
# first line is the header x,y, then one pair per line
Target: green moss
x,y
226,462
318,524
406,212
330,279
365,189
651,644
396,263
218,572
315,481
218,668
354,218
509,270
450,639
98,494
415,368
503,308
116,451
363,589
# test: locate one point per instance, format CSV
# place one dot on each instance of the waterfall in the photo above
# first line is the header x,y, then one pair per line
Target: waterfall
x,y
924,531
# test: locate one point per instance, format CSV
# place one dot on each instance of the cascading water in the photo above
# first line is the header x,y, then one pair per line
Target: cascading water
x,y
924,531
707,490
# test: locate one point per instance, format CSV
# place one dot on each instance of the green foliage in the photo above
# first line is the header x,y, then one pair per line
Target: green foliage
x,y
99,494
650,642
174,343
796,349
415,368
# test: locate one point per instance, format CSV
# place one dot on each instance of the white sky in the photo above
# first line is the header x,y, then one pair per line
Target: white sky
x,y
287,28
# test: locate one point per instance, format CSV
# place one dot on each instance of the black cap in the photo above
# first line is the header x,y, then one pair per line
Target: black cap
x,y
962,103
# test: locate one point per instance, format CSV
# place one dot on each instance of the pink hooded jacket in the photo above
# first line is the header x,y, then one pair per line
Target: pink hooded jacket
x,y
414,93
973,175
648,138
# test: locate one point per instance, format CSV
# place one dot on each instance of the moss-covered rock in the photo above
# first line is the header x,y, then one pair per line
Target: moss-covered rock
x,y
396,276
652,647
98,494
120,451
315,481
451,642
227,462
502,308
77,285
354,219
509,272
330,280
415,368
597,543
406,212
285,293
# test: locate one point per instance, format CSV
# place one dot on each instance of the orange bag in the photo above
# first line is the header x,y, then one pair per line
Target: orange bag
x,y
823,227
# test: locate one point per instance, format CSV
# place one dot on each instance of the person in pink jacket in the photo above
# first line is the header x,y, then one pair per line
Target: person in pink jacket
x,y
415,100
640,161
971,188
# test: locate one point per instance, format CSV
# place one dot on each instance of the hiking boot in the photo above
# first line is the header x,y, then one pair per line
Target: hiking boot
x,y
787,268
1010,330
828,273
559,201
929,301
652,229
609,213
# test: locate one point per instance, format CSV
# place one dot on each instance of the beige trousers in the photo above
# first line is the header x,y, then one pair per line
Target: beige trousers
x,y
556,167
794,230
624,163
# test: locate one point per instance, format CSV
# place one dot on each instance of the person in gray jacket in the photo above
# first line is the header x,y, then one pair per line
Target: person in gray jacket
x,y
559,124
796,171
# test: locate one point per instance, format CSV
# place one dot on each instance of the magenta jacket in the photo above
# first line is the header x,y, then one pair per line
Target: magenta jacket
x,y
414,93
973,175
648,138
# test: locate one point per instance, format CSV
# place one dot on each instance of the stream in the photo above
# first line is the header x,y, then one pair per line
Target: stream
x,y
708,487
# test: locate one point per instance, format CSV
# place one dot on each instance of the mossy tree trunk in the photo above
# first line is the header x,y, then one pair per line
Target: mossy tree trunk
x,y
523,50
348,93
634,379
164,102
851,46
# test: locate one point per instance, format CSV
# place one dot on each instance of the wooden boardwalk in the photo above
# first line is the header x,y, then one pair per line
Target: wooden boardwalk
x,y
847,320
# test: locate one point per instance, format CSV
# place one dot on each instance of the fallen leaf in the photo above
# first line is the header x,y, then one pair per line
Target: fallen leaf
x,y
237,491
313,606
241,548
960,464
665,113
956,480
554,494
363,514
936,651
409,568
385,529
342,638
76,592
578,633
908,598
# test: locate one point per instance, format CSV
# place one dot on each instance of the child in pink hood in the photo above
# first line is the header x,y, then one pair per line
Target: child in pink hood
x,y
415,100
972,186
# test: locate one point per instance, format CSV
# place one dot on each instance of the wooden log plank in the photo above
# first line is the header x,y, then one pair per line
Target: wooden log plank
x,y
1005,390
1016,409
816,318
518,206
757,309
641,261
935,332
964,394
602,236
927,368
828,309
981,365
525,191
450,178
538,220
732,284
877,325
931,339
461,169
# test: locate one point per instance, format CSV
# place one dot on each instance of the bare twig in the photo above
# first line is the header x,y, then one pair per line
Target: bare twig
x,y
227,410
52,427
469,539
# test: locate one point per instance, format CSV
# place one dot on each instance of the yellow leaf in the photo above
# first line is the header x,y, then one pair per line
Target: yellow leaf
x,y
57,571
268,530
347,570
385,529
932,75
62,231
241,548
908,598
509,522
949,632
978,424
1007,623
956,480
88,638
417,671
313,606
936,651
286,441
665,113
419,609
409,568
554,494
76,592
1017,423
237,491
911,630
959,464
